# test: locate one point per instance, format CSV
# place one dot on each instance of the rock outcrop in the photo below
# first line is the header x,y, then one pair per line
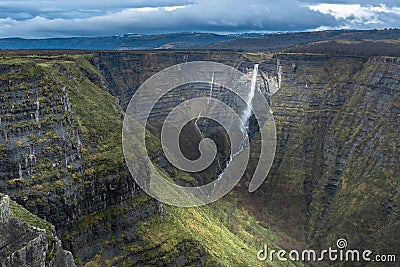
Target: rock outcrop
x,y
60,147
22,244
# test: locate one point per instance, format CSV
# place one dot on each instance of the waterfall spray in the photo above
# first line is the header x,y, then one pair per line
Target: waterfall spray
x,y
211,88
197,126
19,170
247,112
37,108
245,119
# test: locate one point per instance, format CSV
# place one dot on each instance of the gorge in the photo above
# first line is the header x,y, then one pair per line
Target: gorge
x,y
335,173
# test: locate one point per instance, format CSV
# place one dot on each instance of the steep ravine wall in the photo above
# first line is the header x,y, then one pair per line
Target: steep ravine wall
x,y
60,149
335,170
334,173
23,244
337,162
45,143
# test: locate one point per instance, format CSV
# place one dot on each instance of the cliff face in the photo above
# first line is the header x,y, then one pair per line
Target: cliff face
x,y
40,141
60,145
124,72
23,241
60,156
62,159
334,174
337,162
335,170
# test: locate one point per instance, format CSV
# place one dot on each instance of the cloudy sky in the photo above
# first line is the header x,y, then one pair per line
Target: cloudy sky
x,y
63,18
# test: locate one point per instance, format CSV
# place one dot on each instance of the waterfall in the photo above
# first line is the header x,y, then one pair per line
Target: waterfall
x,y
32,156
247,112
279,72
19,170
245,120
197,126
78,139
211,88
208,102
37,108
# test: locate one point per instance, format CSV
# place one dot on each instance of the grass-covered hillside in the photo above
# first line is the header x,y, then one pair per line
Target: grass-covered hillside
x,y
62,151
335,174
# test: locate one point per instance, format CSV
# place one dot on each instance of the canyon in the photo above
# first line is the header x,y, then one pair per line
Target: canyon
x,y
335,173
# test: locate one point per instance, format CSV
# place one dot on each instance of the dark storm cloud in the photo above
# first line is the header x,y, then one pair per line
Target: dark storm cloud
x,y
84,8
77,18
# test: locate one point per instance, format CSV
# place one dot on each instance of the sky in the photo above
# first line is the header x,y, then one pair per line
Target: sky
x,y
65,18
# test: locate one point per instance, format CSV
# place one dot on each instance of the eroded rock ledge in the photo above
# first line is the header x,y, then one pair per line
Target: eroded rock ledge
x,y
22,244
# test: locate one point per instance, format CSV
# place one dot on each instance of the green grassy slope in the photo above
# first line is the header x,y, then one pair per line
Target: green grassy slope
x,y
220,234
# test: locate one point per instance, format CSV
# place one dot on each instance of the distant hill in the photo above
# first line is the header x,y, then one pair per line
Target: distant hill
x,y
190,40
363,43
277,42
125,42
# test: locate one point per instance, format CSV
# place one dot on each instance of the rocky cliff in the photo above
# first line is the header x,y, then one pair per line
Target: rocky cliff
x,y
335,171
41,141
26,240
62,159
334,174
60,152
337,162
